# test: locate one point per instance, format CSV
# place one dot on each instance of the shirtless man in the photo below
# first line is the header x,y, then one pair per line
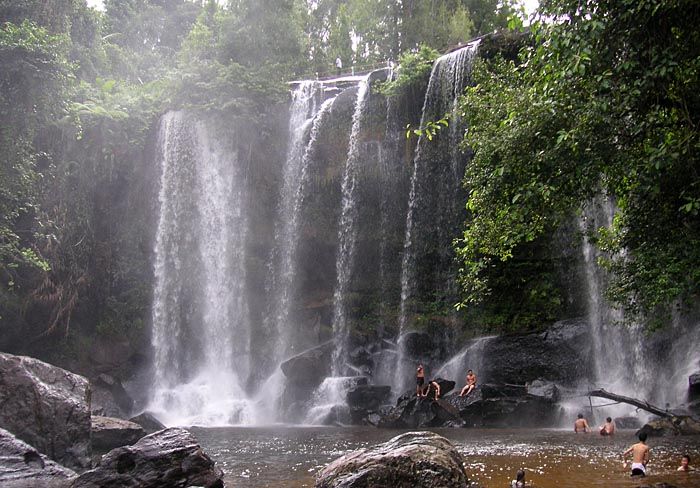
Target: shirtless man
x,y
581,425
640,456
471,384
608,428
432,386
420,379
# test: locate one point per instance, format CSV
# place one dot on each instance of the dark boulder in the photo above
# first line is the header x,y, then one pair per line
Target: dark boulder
x,y
544,389
681,425
309,368
109,433
22,466
47,407
627,423
413,459
561,354
368,397
109,398
418,344
694,386
504,406
413,412
149,423
168,458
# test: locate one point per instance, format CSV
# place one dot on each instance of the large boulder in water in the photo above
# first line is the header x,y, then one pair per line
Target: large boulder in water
x,y
108,433
413,459
561,354
413,412
680,425
168,458
109,398
22,466
309,368
47,407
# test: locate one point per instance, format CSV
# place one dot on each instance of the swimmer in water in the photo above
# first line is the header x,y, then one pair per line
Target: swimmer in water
x,y
685,464
519,481
608,428
581,425
640,456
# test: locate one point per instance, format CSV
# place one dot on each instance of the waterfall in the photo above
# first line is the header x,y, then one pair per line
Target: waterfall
x,y
627,361
347,232
201,329
434,205
304,125
470,357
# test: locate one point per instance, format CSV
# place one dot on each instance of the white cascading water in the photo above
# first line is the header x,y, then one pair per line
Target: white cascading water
x,y
470,357
347,233
624,358
449,77
201,330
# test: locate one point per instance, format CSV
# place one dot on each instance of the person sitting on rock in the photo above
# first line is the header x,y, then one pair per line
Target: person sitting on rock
x,y
581,425
420,379
432,386
471,384
519,481
685,464
608,428
640,456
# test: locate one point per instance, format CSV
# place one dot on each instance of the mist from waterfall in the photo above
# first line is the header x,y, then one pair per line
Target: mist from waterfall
x,y
201,327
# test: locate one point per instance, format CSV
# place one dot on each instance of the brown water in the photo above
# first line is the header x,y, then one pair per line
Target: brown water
x,y
290,456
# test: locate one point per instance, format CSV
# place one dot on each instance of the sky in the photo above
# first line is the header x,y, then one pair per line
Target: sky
x,y
530,5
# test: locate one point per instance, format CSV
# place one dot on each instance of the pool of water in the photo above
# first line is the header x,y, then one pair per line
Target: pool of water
x,y
284,456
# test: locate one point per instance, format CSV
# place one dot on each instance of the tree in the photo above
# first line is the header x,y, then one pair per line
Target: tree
x,y
606,100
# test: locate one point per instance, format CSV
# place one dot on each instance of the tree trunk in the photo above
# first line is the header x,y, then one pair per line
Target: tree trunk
x,y
644,405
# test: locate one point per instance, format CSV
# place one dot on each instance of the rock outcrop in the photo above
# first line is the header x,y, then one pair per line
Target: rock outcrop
x,y
165,459
22,466
109,398
109,433
413,459
149,423
681,425
47,407
694,386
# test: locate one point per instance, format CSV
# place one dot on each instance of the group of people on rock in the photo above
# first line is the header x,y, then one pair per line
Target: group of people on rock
x,y
639,451
424,388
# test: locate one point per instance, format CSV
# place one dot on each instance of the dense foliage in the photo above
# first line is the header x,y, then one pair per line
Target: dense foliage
x,y
605,103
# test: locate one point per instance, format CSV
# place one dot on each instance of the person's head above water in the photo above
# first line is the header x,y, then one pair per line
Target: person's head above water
x,y
520,475
608,420
469,371
580,415
685,460
642,436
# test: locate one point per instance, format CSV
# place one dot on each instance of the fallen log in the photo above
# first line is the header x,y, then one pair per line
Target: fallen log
x,y
643,404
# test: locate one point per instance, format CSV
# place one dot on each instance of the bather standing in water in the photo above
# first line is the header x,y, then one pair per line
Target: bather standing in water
x,y
685,464
608,428
640,456
581,425
471,384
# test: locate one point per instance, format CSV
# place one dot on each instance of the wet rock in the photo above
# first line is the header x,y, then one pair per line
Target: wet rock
x,y
109,398
503,406
413,459
694,386
418,344
47,407
658,485
413,412
109,433
627,423
309,368
149,423
681,425
22,466
544,389
168,458
561,354
368,397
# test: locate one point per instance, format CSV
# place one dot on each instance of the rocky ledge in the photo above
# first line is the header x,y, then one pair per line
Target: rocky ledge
x,y
168,458
413,459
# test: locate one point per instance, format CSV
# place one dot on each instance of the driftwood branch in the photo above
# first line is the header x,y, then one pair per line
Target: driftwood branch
x,y
644,405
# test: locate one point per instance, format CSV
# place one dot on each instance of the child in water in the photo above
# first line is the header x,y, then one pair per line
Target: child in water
x,y
519,481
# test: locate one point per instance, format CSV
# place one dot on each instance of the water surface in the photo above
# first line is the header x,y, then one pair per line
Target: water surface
x,y
284,456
